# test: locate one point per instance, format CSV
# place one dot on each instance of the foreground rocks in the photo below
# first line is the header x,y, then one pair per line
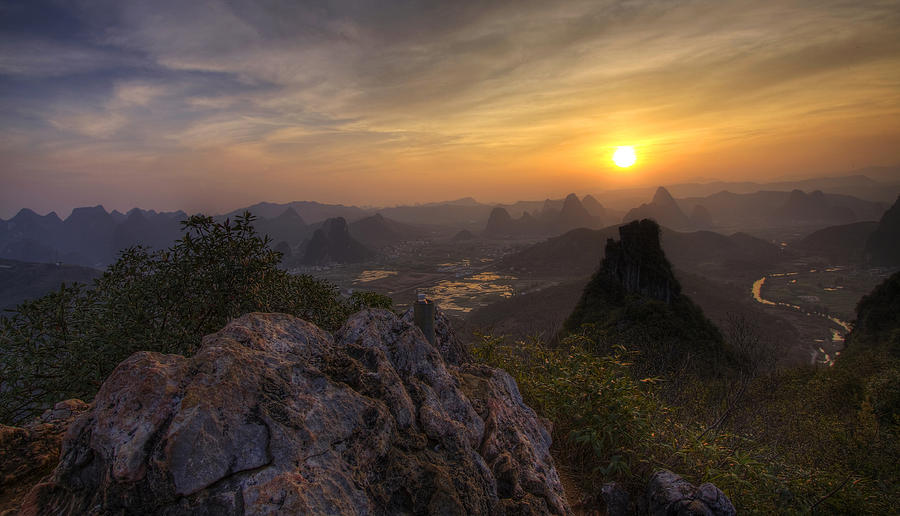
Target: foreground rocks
x,y
29,453
669,494
275,416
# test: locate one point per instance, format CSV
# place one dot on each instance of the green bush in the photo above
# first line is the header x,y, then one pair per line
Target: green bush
x,y
65,344
784,450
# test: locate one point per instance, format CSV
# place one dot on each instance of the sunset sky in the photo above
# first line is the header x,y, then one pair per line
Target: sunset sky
x,y
213,105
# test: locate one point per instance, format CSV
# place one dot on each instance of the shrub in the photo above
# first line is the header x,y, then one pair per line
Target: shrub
x,y
786,452
65,344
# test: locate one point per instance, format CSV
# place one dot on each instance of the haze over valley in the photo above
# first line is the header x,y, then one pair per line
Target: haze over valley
x,y
484,264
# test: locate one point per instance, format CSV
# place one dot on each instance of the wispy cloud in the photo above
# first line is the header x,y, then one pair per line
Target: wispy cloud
x,y
373,90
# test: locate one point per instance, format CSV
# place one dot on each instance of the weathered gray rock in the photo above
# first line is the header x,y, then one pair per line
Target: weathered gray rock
x,y
275,416
669,494
446,341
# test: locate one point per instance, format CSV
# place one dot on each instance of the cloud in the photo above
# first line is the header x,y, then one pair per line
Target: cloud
x,y
330,85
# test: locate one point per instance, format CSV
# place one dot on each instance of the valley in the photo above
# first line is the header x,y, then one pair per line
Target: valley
x,y
524,287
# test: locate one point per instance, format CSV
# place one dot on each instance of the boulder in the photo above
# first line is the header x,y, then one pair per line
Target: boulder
x,y
446,341
669,494
275,416
31,452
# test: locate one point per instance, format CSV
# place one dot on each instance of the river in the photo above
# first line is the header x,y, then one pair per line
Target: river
x,y
837,337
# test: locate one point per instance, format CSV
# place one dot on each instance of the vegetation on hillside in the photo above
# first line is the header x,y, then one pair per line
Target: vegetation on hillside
x,y
65,344
777,442
635,297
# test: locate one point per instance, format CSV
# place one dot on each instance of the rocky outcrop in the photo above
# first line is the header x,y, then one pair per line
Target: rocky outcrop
x,y
669,494
635,296
275,416
29,453
638,263
451,348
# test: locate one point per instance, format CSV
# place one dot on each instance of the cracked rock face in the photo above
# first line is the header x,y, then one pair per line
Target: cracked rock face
x,y
275,416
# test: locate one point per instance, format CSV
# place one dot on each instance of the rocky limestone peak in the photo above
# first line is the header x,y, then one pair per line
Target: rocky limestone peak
x,y
638,263
662,197
499,222
593,206
499,215
573,215
332,243
663,209
275,416
572,206
336,227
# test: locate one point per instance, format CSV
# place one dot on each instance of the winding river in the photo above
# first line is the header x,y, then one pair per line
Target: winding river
x,y
837,337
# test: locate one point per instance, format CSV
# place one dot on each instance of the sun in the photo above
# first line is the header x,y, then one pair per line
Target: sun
x,y
624,157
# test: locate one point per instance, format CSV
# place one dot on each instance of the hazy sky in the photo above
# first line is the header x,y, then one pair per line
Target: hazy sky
x,y
211,105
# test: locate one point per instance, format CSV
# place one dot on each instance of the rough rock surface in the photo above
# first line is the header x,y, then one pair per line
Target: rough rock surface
x,y
669,494
616,499
451,348
638,262
30,452
275,416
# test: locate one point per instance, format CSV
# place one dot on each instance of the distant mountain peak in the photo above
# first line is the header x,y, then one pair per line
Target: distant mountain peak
x,y
25,213
499,214
332,243
662,196
663,209
135,214
290,214
499,222
89,210
572,208
336,226
593,206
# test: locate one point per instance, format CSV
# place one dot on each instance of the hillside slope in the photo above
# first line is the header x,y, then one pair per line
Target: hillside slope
x,y
634,299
